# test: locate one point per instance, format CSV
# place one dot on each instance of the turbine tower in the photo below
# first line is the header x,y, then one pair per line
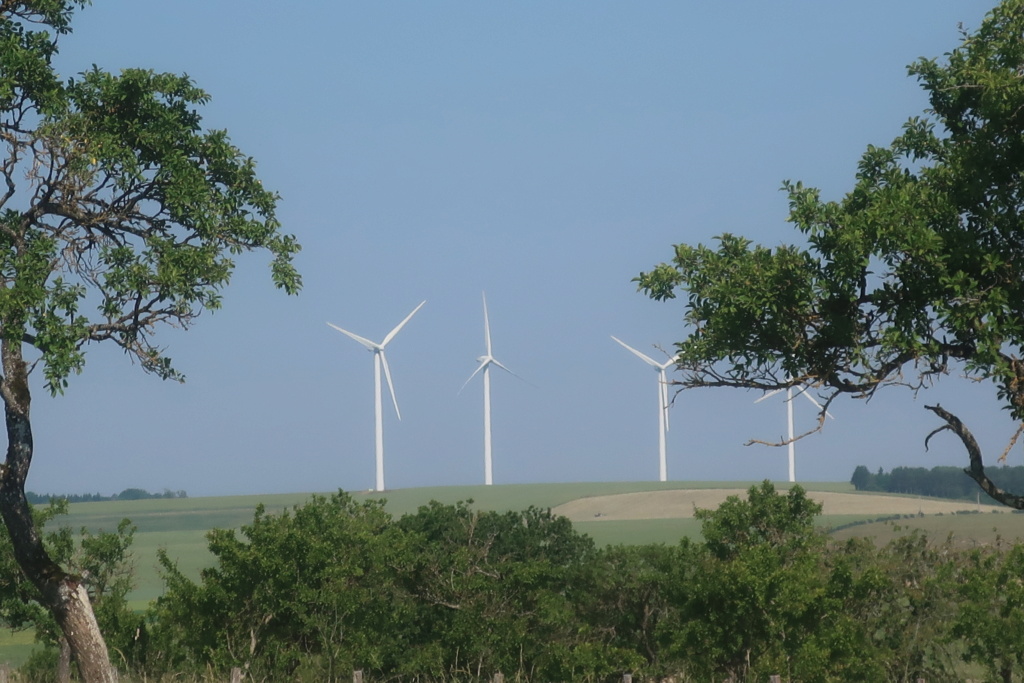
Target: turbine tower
x,y
789,417
663,403
379,359
485,363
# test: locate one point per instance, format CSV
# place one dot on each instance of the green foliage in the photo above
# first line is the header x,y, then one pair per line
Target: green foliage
x,y
939,481
498,593
990,618
919,265
901,597
118,199
19,608
632,598
755,596
335,585
317,584
454,593
119,214
101,560
765,519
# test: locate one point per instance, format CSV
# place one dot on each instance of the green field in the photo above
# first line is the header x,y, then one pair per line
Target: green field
x,y
965,529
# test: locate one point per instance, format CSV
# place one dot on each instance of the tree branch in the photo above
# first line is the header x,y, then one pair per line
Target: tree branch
x,y
976,471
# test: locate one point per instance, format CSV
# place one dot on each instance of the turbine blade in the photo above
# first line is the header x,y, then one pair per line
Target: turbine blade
x,y
816,404
478,369
392,333
646,359
502,366
362,340
487,327
518,377
769,395
391,386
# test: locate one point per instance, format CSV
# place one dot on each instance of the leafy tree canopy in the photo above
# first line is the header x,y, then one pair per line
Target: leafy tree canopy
x,y
917,270
119,213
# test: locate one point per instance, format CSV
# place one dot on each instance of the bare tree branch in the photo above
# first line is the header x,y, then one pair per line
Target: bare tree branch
x,y
976,471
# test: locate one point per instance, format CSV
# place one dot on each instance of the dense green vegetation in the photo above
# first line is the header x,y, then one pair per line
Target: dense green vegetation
x,y
180,525
120,215
453,592
914,274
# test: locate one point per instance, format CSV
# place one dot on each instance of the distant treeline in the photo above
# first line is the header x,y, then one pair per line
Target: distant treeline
x,y
939,482
127,494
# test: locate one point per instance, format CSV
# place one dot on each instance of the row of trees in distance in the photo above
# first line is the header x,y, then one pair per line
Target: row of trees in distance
x,y
938,482
126,494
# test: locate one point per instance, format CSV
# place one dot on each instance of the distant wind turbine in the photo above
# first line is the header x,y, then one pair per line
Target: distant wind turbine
x,y
379,359
486,361
663,403
789,413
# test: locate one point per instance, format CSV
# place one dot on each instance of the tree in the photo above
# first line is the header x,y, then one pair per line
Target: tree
x,y
631,602
102,559
499,592
990,616
311,594
445,593
118,213
919,269
757,601
862,478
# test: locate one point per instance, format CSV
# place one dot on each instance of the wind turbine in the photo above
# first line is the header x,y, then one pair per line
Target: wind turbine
x,y
486,361
379,359
789,414
662,403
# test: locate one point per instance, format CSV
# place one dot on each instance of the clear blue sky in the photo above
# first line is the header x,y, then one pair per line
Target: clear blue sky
x,y
545,153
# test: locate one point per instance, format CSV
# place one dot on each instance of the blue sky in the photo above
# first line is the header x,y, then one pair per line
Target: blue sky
x,y
545,153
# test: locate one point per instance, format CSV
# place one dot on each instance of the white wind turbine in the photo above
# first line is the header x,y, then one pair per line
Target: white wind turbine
x,y
379,359
789,416
486,361
663,403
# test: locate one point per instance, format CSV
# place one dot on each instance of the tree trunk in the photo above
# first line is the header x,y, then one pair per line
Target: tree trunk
x,y
61,593
64,662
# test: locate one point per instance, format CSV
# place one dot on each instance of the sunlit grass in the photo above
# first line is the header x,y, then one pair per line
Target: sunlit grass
x,y
16,646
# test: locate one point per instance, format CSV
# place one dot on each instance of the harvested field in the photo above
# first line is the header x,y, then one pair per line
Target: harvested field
x,y
680,504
